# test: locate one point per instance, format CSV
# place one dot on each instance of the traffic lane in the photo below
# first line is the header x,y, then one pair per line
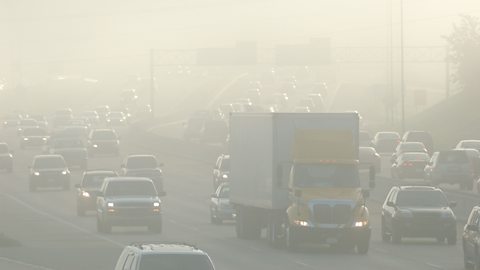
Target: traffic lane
x,y
186,221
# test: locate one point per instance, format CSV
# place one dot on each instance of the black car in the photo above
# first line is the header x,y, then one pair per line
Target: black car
x,y
128,201
49,171
33,137
418,211
386,141
420,136
452,167
144,166
220,207
471,240
103,141
410,165
73,151
89,188
6,158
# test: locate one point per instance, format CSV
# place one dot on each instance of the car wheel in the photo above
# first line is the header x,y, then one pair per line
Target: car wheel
x,y
396,236
385,236
452,239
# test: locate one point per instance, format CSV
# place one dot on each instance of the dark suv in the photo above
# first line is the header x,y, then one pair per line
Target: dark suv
x,y
418,211
48,171
144,166
128,201
420,136
89,188
163,256
103,141
452,167
471,240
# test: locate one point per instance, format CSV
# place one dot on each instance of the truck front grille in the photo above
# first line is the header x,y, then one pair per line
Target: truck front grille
x,y
335,214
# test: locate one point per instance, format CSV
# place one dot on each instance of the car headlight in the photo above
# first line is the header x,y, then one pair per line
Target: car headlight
x,y
85,194
302,223
44,138
361,223
25,139
64,172
36,173
110,204
225,176
108,120
95,146
156,204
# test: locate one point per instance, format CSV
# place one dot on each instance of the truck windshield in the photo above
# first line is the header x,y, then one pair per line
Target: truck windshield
x,y
326,175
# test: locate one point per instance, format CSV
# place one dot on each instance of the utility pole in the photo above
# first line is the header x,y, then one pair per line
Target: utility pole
x,y
402,66
152,82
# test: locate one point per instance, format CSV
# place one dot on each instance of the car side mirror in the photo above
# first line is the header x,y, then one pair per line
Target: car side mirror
x,y
365,193
391,204
452,204
472,227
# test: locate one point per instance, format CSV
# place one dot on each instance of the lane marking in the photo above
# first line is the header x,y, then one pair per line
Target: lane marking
x,y
62,221
436,266
33,266
303,264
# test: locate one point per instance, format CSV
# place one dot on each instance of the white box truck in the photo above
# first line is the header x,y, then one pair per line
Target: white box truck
x,y
296,174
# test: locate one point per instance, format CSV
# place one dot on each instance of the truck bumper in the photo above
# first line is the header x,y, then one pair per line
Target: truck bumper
x,y
331,235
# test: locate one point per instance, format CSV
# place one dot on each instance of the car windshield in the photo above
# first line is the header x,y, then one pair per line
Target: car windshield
x,y
34,132
415,157
326,175
452,157
131,188
95,180
388,136
175,261
428,198
225,165
471,144
49,162
146,162
68,144
412,147
104,135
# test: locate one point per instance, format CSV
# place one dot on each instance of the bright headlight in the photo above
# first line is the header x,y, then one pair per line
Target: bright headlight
x,y
25,139
359,224
64,172
86,194
36,173
44,139
156,204
302,223
110,204
95,145
225,176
